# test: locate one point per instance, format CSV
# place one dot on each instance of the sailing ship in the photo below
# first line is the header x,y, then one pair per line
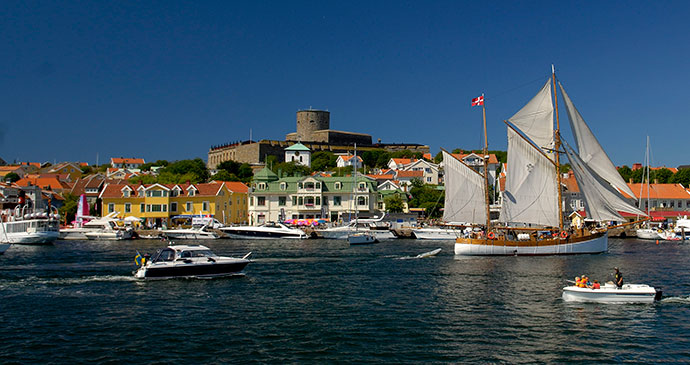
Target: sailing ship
x,y
531,216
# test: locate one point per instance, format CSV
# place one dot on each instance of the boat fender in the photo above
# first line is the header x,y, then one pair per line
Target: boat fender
x,y
564,234
491,235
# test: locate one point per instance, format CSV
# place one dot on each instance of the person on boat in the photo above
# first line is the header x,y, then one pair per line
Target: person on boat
x,y
618,278
577,281
596,285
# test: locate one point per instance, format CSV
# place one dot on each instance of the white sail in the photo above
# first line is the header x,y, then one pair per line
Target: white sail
x,y
465,196
603,202
589,149
530,195
535,119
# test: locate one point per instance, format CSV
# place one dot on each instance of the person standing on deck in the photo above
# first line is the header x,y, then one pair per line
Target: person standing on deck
x,y
618,278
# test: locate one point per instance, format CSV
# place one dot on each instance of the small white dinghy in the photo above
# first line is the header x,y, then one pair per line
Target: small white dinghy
x,y
361,238
610,293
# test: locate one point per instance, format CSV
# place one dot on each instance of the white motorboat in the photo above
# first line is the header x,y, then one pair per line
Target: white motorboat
x,y
266,231
649,233
610,293
437,233
179,261
361,238
106,228
23,226
381,232
198,233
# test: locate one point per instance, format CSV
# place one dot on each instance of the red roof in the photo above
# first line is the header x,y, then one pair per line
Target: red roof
x,y
492,157
410,174
403,161
237,187
659,191
42,182
381,177
349,157
127,160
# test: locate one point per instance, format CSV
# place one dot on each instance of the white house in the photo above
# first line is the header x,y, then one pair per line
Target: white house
x,y
126,163
347,160
429,169
298,153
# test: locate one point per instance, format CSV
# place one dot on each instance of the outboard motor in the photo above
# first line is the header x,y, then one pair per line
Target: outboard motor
x,y
657,296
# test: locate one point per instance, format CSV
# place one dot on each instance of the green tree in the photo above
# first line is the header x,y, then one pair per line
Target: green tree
x,y
323,161
426,196
69,209
394,203
663,175
223,175
439,157
681,177
625,172
144,179
85,170
194,170
147,166
291,169
12,177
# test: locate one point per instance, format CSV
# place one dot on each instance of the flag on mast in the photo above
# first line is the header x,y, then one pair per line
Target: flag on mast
x,y
479,100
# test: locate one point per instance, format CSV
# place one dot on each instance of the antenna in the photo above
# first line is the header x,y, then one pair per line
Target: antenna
x,y
250,134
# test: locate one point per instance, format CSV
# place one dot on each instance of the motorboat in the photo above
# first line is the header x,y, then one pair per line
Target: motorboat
x,y
437,233
649,233
376,226
107,228
610,293
184,261
194,233
269,230
361,238
24,226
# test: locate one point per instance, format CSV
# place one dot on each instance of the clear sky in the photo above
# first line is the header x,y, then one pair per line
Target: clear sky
x,y
168,79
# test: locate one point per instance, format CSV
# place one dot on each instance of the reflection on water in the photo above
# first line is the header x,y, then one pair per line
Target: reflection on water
x,y
324,301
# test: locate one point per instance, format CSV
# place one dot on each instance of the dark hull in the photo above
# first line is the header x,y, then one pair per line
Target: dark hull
x,y
196,270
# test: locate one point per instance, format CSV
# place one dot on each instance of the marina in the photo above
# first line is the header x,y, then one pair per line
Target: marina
x,y
324,301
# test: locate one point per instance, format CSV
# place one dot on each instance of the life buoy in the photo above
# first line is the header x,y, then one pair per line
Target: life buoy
x,y
564,234
491,235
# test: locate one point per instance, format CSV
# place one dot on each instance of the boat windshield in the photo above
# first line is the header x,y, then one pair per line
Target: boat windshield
x,y
165,255
197,253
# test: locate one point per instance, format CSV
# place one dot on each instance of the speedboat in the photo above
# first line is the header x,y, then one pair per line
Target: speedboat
x,y
200,233
181,261
376,227
649,234
437,233
361,238
610,293
266,231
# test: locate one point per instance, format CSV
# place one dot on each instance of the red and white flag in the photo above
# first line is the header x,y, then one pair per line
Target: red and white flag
x,y
478,101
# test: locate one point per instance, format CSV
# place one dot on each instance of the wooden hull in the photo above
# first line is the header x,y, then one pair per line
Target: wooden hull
x,y
595,243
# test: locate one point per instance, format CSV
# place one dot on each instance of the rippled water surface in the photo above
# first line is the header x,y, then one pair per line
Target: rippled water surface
x,y
323,301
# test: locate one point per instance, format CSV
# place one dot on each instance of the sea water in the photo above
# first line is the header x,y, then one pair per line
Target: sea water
x,y
321,301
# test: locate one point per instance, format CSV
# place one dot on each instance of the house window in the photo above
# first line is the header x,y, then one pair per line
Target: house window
x,y
141,193
189,206
111,207
128,208
282,200
125,193
338,185
318,185
300,185
204,206
337,201
261,201
300,200
262,186
361,200
309,201
142,207
173,207
428,170
428,179
148,207
174,193
191,192
283,186
362,186
294,200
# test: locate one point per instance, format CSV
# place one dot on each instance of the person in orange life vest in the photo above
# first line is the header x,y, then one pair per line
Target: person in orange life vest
x,y
577,281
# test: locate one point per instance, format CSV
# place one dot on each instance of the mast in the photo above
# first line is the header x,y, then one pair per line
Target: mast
x,y
557,148
354,174
486,169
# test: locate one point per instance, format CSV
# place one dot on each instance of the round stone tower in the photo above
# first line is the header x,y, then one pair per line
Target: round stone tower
x,y
309,121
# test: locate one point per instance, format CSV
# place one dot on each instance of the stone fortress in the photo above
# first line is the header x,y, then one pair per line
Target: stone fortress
x,y
313,131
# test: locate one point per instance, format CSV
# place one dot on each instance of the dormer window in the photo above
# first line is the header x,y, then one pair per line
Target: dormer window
x,y
283,186
318,185
300,185
125,193
262,186
338,185
191,192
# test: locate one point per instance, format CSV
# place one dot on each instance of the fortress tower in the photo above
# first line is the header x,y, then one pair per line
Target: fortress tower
x,y
310,121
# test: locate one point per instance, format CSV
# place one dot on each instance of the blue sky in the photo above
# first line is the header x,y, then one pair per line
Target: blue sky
x,y
166,80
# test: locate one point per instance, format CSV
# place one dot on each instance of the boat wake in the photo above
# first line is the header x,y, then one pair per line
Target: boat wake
x,y
676,300
74,281
421,255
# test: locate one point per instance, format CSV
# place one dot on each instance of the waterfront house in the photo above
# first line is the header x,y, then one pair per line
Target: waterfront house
x,y
388,189
303,197
399,163
429,169
158,204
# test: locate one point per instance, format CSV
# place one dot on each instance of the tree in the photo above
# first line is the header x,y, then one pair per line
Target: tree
x,y
194,170
69,209
394,203
681,177
223,175
147,166
663,175
12,177
625,172
85,170
439,157
323,160
291,169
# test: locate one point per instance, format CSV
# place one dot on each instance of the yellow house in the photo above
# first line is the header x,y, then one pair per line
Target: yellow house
x,y
158,204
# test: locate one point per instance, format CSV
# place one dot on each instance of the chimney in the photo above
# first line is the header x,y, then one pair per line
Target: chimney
x,y
656,181
630,180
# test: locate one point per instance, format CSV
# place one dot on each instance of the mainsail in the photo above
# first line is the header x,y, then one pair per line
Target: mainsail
x,y
603,202
531,195
535,119
589,149
464,192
